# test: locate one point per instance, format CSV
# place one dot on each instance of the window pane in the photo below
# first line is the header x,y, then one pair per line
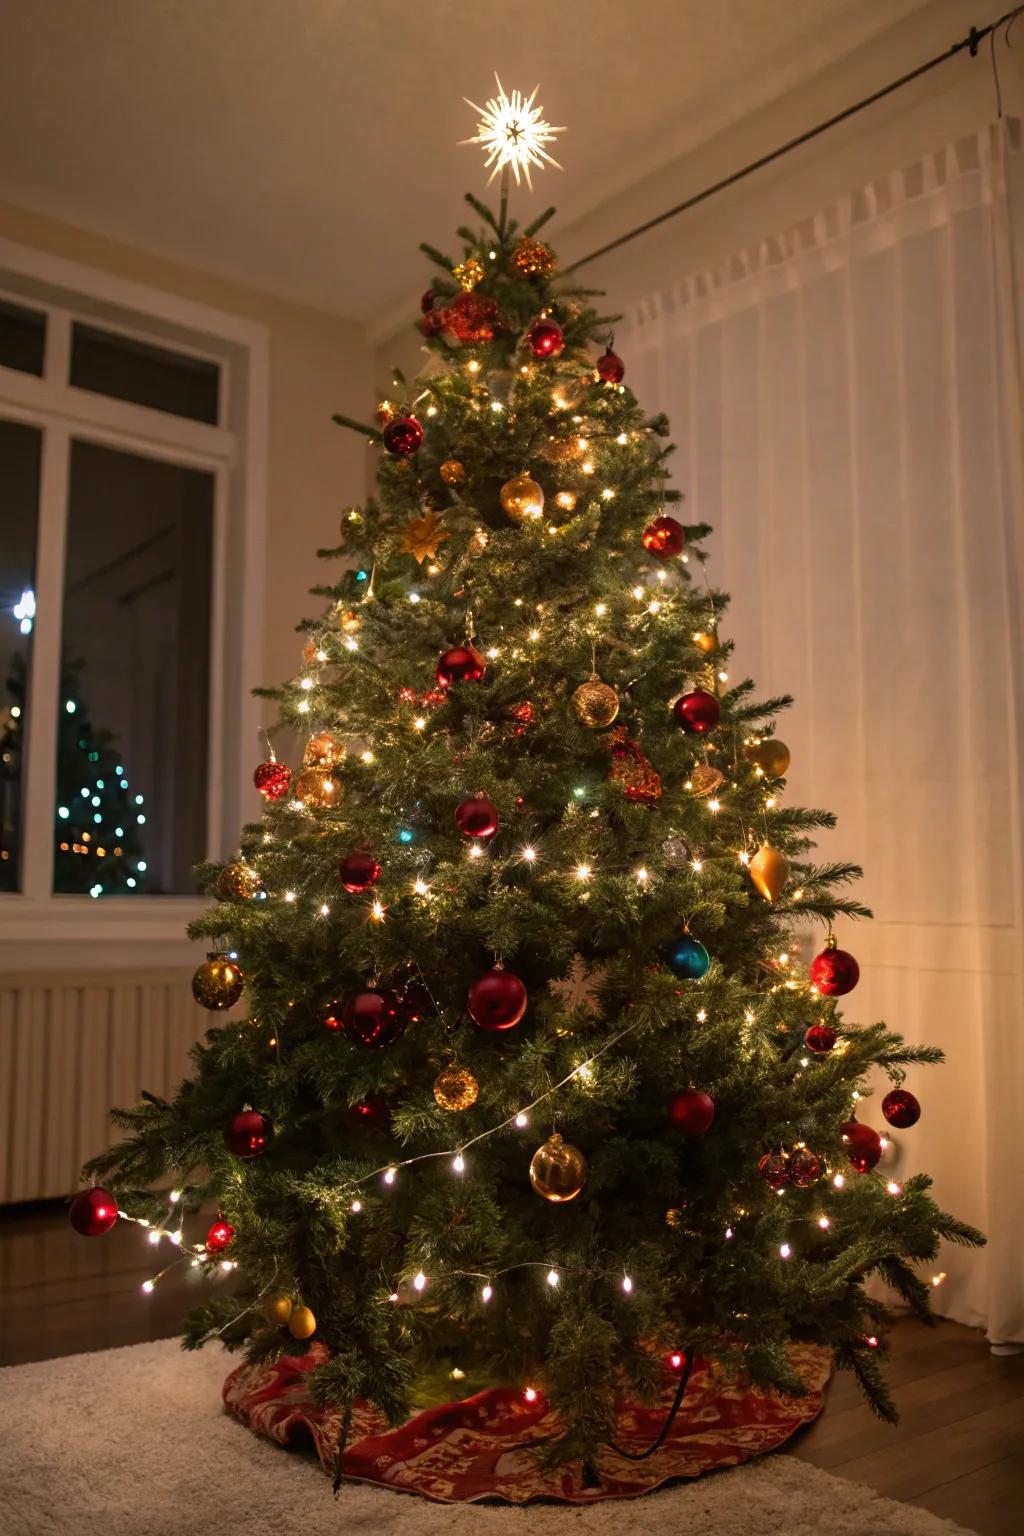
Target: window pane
x,y
22,338
132,726
109,364
20,449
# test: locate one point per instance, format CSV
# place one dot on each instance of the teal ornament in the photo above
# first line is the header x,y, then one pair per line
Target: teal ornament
x,y
688,959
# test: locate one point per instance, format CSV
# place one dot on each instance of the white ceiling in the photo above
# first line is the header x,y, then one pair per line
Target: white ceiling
x,y
303,147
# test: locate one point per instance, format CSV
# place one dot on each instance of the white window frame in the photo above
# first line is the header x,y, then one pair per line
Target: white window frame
x,y
39,927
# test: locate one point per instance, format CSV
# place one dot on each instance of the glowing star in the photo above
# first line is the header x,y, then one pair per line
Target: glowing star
x,y
423,537
513,133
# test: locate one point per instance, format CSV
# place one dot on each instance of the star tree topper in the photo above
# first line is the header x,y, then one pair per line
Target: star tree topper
x,y
514,133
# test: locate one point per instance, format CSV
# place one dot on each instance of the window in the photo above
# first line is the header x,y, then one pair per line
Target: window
x,y
130,493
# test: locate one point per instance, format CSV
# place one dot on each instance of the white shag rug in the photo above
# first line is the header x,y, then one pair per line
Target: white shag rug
x,y
134,1442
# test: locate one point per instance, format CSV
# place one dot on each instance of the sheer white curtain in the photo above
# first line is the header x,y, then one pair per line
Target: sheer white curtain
x,y
846,404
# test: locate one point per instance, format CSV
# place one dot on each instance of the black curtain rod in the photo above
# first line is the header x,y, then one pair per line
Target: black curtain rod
x,y
971,42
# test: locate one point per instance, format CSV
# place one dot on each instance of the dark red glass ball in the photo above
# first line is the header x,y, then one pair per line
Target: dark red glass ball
x,y
497,1000
373,1019
219,1236
403,436
461,664
901,1108
834,973
477,817
372,1113
697,711
545,338
691,1111
804,1168
247,1133
664,538
272,779
863,1145
820,1038
358,872
610,368
774,1170
93,1212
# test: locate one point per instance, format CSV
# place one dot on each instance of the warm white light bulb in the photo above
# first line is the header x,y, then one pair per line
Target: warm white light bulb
x,y
522,1120
390,1175
785,1251
356,1207
627,1284
486,1293
552,1277
458,1163
419,1280
147,1286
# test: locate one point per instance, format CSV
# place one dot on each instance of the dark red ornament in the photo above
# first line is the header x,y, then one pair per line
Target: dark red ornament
x,y
630,768
427,301
834,972
272,779
545,338
93,1212
373,1019
219,1236
820,1038
402,436
497,1000
691,1111
804,1168
774,1170
901,1108
461,664
372,1113
247,1133
610,367
863,1145
358,872
697,711
664,538
477,817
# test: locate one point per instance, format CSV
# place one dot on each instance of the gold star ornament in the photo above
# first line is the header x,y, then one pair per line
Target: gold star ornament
x,y
423,537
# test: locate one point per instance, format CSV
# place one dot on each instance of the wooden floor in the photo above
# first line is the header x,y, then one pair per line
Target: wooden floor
x,y
959,1450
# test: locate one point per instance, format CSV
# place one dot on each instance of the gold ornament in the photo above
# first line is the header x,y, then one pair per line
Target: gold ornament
x,y
479,542
278,1309
349,622
769,870
456,1089
673,1217
316,787
558,1170
301,1323
385,410
423,537
522,499
704,780
770,755
595,703
561,450
706,640
238,882
531,258
323,751
468,273
453,473
218,982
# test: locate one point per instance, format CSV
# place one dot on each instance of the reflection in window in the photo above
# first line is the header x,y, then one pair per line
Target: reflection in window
x,y
109,364
19,510
133,726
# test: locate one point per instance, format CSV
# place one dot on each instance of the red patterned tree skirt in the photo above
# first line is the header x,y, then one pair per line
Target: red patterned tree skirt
x,y
479,1448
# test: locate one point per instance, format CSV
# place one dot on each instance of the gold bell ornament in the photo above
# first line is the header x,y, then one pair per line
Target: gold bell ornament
x,y
456,1089
558,1170
595,703
522,499
769,870
770,755
238,882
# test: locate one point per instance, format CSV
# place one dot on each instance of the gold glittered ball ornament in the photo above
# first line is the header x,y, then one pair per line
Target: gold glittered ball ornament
x,y
301,1323
558,1170
453,473
770,755
218,982
673,1216
595,703
238,882
561,450
522,499
532,258
468,273
456,1089
278,1309
319,787
323,751
769,870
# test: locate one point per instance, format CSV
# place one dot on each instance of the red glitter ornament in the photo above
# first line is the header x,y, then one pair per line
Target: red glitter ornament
x,y
477,817
497,1000
820,1038
219,1236
469,319
372,1113
247,1133
402,436
804,1168
697,712
92,1212
901,1108
610,367
834,972
460,664
863,1145
432,323
272,779
664,538
774,1170
358,872
373,1019
545,338
691,1111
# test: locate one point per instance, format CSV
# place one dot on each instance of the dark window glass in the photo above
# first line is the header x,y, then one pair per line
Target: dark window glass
x,y
22,338
133,711
114,365
20,449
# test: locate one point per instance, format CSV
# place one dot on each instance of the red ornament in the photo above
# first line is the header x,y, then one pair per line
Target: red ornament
x,y
372,1113
820,1038
402,436
272,779
691,1111
497,1000
523,715
697,711
664,538
610,367
477,817
461,664
901,1108
248,1133
804,1168
432,323
773,1169
219,1236
834,972
863,1145
469,319
358,872
545,338
427,301
373,1019
92,1212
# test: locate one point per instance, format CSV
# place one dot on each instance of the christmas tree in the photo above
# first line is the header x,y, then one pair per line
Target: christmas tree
x,y
531,1083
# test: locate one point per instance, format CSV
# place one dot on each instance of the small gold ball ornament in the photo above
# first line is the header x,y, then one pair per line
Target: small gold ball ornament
x,y
558,1170
706,640
468,273
301,1323
323,751
522,499
770,755
673,1216
769,870
238,882
218,982
453,473
319,787
278,1309
595,703
531,258
456,1089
